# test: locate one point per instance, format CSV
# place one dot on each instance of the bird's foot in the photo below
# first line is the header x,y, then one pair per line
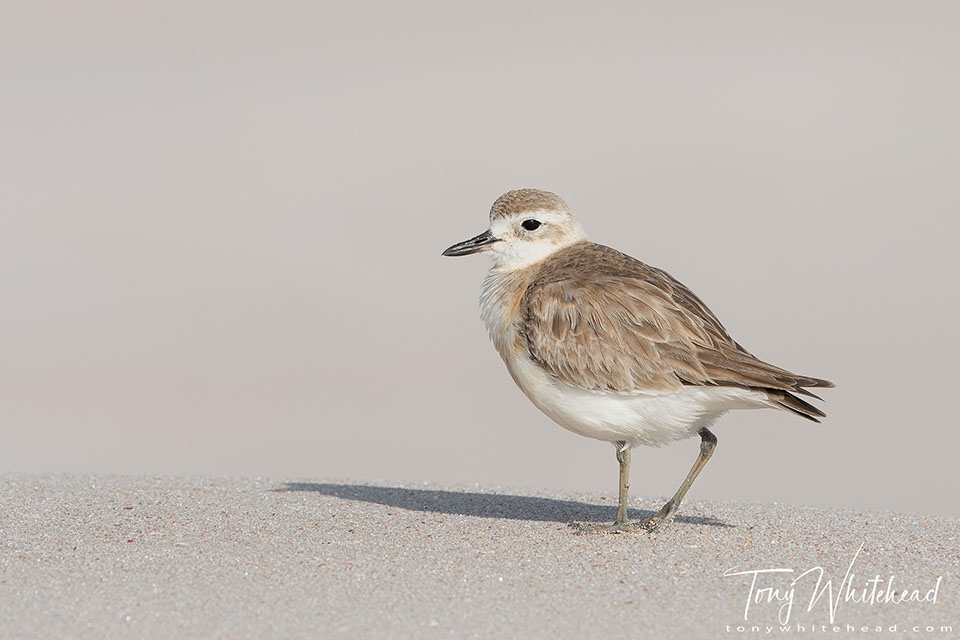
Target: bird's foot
x,y
596,528
654,523
660,519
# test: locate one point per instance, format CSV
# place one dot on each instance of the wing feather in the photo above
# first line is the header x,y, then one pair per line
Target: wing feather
x,y
601,320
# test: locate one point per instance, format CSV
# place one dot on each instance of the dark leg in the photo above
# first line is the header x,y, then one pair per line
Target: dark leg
x,y
623,457
708,442
621,525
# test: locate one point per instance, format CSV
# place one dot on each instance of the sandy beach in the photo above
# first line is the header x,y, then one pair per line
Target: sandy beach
x,y
190,557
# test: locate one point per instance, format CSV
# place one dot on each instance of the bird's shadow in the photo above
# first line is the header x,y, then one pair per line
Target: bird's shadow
x,y
483,505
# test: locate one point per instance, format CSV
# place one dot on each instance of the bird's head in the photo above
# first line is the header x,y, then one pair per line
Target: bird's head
x,y
526,226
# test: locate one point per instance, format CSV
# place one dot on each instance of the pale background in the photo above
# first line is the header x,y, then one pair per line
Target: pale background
x,y
222,225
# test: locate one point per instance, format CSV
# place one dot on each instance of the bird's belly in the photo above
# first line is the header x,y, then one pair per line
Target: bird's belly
x,y
650,418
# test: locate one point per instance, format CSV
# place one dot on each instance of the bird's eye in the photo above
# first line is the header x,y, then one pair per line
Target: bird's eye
x,y
530,225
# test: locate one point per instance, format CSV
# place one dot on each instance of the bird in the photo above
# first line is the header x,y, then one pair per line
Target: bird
x,y
611,348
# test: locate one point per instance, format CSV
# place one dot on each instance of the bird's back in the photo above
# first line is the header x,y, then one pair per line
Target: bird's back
x,y
600,320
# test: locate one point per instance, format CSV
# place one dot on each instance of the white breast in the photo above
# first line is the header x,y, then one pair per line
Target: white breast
x,y
650,418
498,299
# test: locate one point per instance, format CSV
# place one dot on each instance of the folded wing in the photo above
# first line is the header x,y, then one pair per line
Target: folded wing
x,y
600,320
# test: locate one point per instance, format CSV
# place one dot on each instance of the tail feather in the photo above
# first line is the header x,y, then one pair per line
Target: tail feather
x,y
792,403
809,394
804,381
787,400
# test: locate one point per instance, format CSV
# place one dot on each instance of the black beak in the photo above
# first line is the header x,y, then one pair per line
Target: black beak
x,y
473,245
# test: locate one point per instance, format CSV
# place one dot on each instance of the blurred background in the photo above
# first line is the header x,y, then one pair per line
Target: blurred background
x,y
222,225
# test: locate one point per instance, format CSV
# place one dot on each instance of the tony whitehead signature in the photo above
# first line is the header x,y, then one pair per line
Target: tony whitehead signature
x,y
872,592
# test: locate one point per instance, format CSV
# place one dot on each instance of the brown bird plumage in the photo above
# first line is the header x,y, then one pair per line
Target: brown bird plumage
x,y
611,348
600,320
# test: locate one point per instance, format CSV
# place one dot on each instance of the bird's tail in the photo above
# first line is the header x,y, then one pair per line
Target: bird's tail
x,y
786,400
793,404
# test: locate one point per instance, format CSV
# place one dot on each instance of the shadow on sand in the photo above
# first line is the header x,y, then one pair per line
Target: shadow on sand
x,y
483,505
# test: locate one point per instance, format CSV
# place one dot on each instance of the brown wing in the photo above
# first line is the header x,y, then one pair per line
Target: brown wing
x,y
601,320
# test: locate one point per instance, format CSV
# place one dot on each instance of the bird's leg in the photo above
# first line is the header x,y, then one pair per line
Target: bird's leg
x,y
623,457
621,524
708,442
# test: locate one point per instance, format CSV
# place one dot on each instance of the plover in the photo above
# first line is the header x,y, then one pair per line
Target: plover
x,y
611,348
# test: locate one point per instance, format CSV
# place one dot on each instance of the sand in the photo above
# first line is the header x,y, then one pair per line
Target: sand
x,y
188,557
